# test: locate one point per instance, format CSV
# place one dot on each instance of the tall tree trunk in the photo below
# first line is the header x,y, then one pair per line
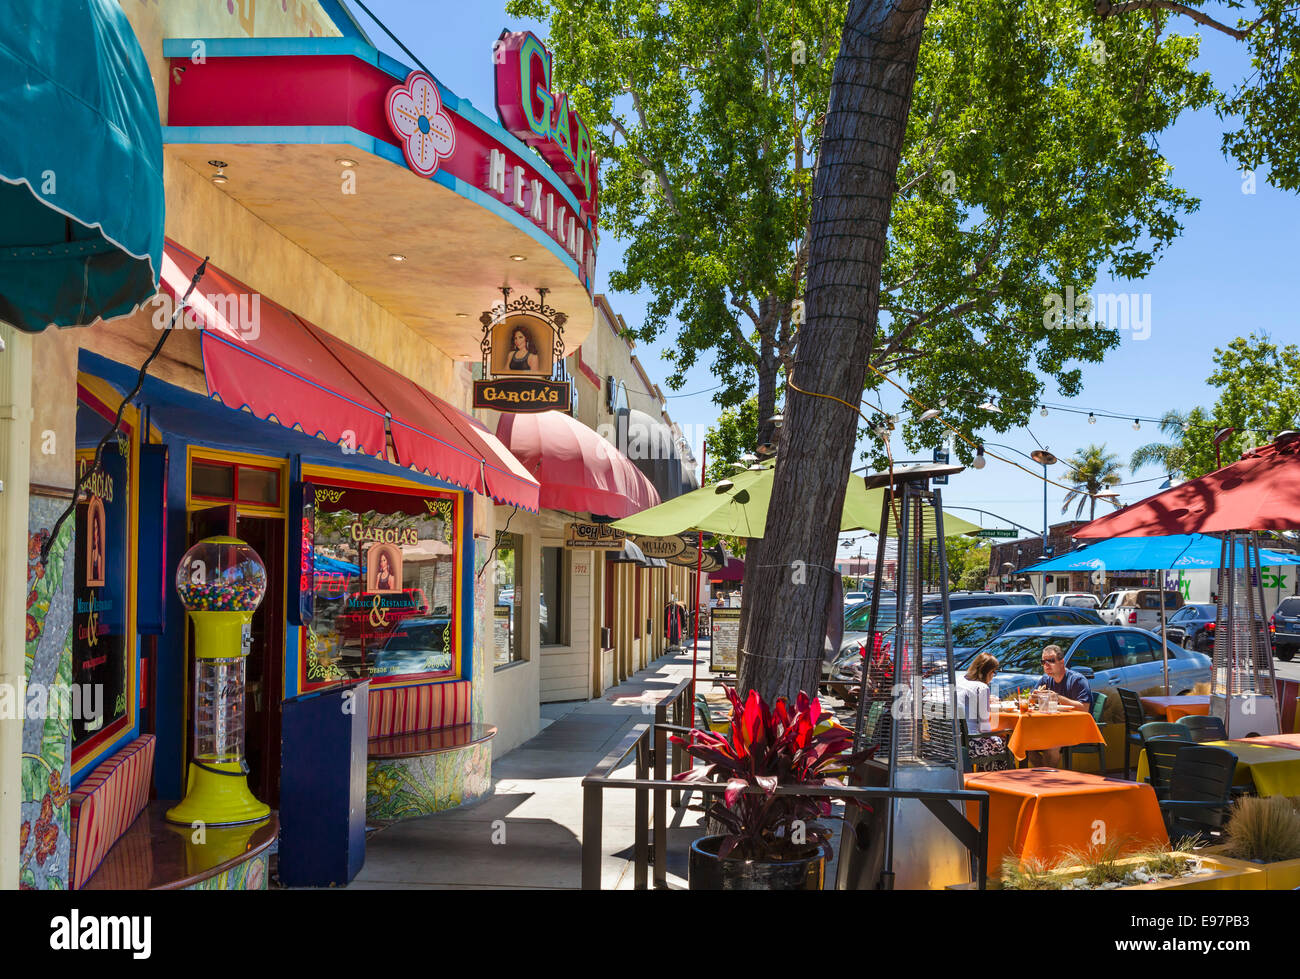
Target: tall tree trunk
x,y
866,120
768,365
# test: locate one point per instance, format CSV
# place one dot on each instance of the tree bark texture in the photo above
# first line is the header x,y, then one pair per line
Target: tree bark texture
x,y
789,589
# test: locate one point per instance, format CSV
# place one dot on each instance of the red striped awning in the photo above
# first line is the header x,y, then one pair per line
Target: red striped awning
x,y
577,468
260,357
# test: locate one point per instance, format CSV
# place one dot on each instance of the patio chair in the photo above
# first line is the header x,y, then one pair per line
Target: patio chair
x,y
1162,754
1134,718
1200,792
1098,705
1163,729
968,764
1203,727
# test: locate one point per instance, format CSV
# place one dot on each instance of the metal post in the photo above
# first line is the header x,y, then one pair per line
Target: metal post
x,y
592,803
699,564
1164,632
660,849
1267,651
641,814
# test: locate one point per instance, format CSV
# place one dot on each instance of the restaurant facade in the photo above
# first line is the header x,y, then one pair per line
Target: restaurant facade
x,y
346,240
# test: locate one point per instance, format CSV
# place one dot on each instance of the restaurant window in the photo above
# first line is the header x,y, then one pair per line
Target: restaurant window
x,y
382,566
508,606
102,645
552,613
234,482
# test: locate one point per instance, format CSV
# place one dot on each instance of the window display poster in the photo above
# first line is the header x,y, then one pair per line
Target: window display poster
x,y
384,585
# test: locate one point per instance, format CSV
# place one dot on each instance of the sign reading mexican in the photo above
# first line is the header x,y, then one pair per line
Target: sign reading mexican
x,y
594,536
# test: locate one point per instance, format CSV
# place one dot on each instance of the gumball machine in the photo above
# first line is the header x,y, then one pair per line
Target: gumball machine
x,y
221,582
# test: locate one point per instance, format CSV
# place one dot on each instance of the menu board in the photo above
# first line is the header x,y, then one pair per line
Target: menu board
x,y
724,628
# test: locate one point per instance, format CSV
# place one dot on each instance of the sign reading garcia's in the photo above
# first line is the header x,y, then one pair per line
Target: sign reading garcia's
x,y
523,357
541,117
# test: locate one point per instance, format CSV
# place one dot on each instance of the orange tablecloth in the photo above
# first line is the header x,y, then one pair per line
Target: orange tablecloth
x,y
1172,708
1038,732
1043,813
1275,740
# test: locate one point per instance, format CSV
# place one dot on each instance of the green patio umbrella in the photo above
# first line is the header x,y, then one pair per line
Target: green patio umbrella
x,y
740,510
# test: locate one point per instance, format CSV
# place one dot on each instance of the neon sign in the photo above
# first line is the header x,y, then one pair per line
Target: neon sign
x,y
541,117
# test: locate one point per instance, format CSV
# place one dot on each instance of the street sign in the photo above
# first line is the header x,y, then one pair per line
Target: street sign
x,y
1008,534
940,456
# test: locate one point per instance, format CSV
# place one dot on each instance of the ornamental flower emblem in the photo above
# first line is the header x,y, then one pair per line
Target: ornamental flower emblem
x,y
416,114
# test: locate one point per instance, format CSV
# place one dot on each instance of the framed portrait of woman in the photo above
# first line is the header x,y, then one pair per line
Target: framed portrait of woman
x,y
523,346
96,543
384,568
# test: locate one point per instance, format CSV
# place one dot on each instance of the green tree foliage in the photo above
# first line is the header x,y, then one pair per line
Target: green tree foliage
x,y
1091,470
1168,456
1264,106
1259,396
730,437
1029,164
968,562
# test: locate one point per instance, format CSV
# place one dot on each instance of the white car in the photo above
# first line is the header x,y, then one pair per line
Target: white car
x,y
1139,607
1074,599
856,598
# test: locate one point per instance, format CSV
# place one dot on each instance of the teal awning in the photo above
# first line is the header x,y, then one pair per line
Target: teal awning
x,y
81,165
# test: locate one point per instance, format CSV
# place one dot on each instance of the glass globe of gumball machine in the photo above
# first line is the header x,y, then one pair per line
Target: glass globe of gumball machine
x,y
221,582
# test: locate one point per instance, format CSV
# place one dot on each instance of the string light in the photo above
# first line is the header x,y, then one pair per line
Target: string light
x,y
1044,411
1092,419
1136,425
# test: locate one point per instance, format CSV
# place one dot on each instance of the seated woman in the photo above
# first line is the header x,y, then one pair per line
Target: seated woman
x,y
987,750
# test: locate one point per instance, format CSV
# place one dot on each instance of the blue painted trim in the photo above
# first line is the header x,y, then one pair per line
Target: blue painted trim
x,y
347,136
291,47
468,577
341,16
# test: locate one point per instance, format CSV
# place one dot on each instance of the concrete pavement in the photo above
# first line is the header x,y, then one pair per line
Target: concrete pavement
x,y
527,833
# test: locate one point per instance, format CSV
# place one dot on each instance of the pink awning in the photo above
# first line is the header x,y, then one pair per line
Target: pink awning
x,y
578,470
1259,492
260,357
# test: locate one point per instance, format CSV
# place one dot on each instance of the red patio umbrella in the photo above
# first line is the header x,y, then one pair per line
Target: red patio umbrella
x,y
1261,491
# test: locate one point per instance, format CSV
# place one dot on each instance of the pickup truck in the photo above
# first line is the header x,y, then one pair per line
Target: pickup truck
x,y
1139,607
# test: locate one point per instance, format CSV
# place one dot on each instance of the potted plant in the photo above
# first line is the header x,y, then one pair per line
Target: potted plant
x,y
768,841
1264,833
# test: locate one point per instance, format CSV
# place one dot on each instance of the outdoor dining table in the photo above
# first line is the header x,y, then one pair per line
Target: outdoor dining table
x,y
1041,731
1172,708
1047,813
1271,762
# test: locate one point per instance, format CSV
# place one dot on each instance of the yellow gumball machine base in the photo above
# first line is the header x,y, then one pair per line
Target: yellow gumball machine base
x,y
217,798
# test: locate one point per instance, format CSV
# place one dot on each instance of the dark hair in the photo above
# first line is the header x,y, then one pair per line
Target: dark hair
x,y
982,667
528,339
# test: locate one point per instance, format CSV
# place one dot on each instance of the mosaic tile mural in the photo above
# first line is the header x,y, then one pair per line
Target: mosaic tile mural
x,y
47,738
403,788
251,875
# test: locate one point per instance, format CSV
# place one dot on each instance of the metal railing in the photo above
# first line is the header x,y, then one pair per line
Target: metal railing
x,y
649,743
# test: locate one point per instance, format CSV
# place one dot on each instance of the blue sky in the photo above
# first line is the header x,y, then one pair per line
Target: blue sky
x,y
1229,274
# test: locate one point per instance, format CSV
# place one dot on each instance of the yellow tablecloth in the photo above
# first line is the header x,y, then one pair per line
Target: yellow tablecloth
x,y
1039,732
1274,770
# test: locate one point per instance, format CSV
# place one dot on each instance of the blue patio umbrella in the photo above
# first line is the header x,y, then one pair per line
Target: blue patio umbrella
x,y
81,181
1177,552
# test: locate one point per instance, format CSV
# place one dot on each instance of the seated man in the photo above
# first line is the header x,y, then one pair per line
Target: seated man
x,y
1071,688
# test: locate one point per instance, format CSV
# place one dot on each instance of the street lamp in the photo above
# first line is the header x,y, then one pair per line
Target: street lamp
x,y
1044,459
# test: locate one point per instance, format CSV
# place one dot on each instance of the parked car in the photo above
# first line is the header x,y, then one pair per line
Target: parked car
x,y
972,629
1193,627
1139,607
415,646
855,635
855,598
933,604
1074,599
1286,626
1108,656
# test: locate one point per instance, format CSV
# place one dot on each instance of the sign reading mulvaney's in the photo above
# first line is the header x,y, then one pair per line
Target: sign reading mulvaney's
x,y
661,547
597,536
523,357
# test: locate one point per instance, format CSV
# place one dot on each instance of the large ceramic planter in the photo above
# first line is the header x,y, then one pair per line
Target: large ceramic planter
x,y
709,872
1284,875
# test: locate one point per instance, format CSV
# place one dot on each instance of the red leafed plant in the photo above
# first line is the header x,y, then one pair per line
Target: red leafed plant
x,y
768,747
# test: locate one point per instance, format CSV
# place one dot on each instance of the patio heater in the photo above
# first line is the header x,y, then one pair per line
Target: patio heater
x,y
908,707
1243,687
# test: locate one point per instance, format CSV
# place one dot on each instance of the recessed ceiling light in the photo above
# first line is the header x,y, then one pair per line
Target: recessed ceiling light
x,y
219,164
462,316
518,258
397,258
345,162
220,178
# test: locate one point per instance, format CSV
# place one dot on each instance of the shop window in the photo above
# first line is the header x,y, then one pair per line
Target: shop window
x,y
234,482
103,644
383,568
552,615
508,606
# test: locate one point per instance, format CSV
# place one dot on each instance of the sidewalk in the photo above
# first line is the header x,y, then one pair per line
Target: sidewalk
x,y
527,833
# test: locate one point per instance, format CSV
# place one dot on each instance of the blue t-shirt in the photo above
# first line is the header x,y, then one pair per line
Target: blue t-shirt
x,y
1072,685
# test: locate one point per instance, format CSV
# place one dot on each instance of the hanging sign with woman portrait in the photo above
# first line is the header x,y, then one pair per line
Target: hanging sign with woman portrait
x,y
523,345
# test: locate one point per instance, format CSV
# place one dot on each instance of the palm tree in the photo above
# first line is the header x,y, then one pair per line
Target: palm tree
x,y
1168,455
1092,470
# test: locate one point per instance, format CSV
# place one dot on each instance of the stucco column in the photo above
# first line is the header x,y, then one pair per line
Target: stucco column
x,y
15,439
